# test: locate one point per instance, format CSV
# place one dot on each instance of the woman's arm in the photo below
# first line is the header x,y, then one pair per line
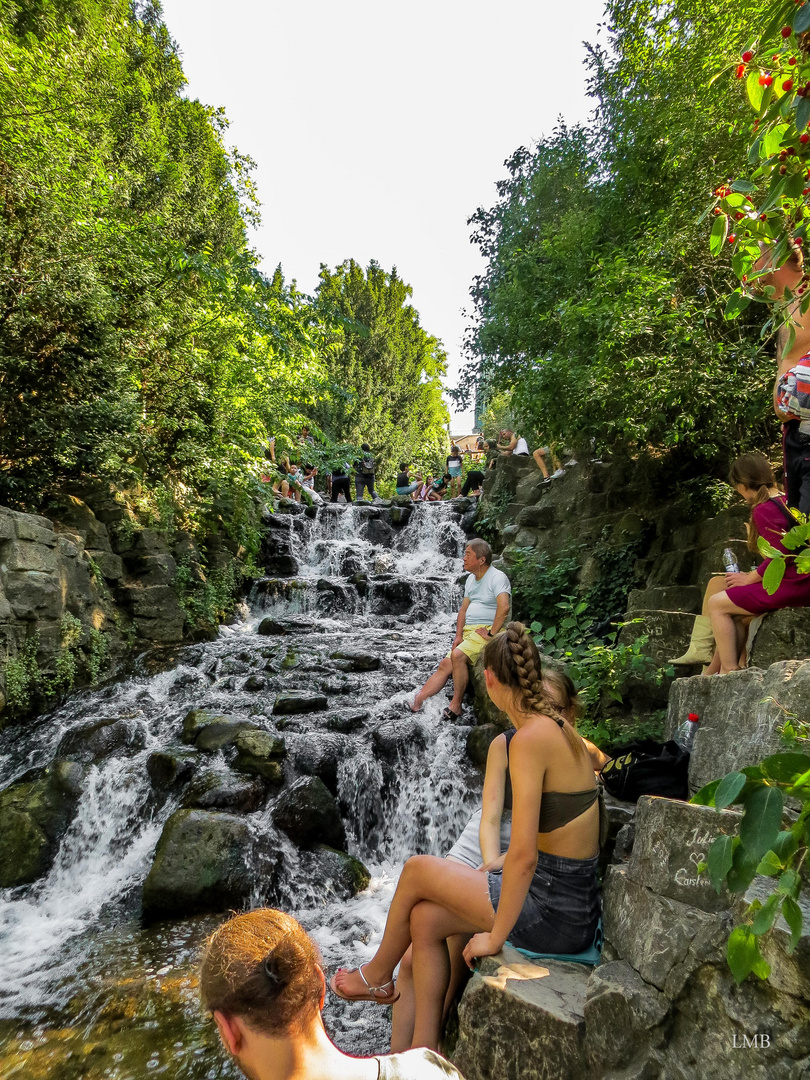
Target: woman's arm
x,y
489,831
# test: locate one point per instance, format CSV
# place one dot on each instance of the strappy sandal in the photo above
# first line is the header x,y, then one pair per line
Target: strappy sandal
x,y
373,991
448,714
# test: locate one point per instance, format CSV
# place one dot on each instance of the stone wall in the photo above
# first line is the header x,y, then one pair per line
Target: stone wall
x,y
662,1004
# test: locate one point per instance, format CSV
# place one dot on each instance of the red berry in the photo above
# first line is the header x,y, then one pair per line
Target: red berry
x,y
792,61
744,278
748,56
740,70
775,57
791,150
787,84
800,90
786,31
804,138
732,238
767,80
763,217
806,191
739,216
717,210
782,170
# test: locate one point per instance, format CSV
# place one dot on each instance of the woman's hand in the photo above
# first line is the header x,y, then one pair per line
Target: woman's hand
x,y
493,864
481,945
741,579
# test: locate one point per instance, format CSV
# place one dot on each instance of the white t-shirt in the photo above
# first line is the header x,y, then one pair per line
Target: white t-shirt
x,y
522,447
419,1064
483,595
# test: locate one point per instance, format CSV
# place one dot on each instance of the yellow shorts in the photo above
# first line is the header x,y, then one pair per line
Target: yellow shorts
x,y
472,643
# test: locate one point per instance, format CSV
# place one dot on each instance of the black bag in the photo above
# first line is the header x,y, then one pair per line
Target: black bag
x,y
647,768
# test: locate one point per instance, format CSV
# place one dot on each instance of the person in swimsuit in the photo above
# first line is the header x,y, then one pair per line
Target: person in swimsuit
x,y
545,895
262,980
454,464
484,839
752,477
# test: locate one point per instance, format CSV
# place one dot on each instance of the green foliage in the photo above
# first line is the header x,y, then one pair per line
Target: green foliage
x,y
796,540
600,308
67,661
539,583
385,369
208,598
598,668
23,676
486,520
762,847
96,656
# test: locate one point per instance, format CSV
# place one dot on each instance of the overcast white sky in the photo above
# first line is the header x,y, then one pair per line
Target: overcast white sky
x,y
378,128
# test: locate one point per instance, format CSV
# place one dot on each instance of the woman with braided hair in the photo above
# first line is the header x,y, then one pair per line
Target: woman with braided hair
x,y
541,895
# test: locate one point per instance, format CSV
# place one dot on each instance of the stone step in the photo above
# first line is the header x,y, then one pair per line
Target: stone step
x,y
521,1019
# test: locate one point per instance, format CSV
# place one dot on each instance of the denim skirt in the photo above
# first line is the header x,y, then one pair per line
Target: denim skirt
x,y
561,910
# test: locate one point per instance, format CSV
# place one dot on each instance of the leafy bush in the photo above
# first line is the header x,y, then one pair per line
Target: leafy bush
x,y
762,847
539,583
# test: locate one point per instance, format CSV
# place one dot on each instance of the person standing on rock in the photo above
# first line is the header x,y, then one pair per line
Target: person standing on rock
x,y
483,613
262,980
364,474
340,483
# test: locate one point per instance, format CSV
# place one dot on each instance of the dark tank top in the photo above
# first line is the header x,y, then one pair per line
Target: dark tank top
x,y
557,807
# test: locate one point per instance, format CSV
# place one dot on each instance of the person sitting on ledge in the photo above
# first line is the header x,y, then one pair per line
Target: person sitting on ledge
x,y
406,486
545,897
752,477
262,980
483,611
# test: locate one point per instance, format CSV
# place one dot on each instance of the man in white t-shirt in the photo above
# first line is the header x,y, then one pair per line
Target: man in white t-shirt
x,y
483,613
516,446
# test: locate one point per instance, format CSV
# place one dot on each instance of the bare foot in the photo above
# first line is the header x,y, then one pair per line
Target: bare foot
x,y
349,983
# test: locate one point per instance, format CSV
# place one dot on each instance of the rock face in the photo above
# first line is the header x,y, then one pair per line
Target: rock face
x,y
102,739
202,863
33,816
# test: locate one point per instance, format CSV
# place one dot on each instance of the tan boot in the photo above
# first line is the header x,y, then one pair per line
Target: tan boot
x,y
701,644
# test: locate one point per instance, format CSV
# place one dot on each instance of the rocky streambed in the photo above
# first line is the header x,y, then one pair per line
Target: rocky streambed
x,y
276,764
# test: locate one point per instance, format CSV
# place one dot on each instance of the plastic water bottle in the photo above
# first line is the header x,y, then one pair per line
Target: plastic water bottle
x,y
685,735
730,562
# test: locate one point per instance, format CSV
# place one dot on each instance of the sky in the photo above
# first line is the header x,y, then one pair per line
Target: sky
x,y
378,128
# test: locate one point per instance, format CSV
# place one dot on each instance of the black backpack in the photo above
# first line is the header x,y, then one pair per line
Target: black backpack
x,y
647,768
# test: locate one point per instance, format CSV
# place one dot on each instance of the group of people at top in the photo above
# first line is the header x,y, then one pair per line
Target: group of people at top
x,y
734,600
524,869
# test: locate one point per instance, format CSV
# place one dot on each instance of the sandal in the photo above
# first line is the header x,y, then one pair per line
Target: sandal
x,y
448,714
373,991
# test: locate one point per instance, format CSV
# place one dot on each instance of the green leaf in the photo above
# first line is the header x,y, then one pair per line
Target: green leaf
x,y
789,884
785,767
743,954
764,918
770,865
767,550
705,797
728,789
792,914
801,20
718,234
786,845
802,113
745,187
774,573
736,304
761,821
721,856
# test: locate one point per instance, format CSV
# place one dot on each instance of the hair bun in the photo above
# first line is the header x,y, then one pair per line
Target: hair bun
x,y
274,976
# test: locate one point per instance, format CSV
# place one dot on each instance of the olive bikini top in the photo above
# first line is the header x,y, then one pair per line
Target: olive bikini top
x,y
557,807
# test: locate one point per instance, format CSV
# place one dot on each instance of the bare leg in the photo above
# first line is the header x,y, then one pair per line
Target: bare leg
x,y
461,676
540,461
434,684
717,584
714,667
458,889
404,1010
722,612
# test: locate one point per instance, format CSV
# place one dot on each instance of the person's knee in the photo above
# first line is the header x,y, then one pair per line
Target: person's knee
x,y
718,604
423,922
445,666
459,657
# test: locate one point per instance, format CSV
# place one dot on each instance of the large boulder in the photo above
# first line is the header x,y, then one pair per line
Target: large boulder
x,y
335,874
34,814
308,814
299,701
221,790
101,738
783,635
221,733
169,771
202,863
260,753
356,660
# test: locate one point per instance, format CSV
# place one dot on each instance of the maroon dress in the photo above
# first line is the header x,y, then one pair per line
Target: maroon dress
x,y
794,590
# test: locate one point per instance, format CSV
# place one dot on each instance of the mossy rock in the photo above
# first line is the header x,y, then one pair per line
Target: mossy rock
x,y
34,814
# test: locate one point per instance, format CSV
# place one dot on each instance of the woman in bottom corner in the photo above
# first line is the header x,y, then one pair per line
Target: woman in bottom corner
x,y
544,896
752,477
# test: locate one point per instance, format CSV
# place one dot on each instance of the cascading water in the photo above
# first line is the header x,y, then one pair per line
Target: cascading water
x,y
87,990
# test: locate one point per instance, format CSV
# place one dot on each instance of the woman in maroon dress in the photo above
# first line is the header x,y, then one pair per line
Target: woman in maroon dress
x,y
753,478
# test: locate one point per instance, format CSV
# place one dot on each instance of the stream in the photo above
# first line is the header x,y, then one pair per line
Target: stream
x,y
89,991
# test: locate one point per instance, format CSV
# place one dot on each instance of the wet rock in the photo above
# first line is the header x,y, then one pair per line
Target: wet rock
x,y
359,661
291,625
334,874
378,531
221,733
394,597
347,724
298,701
393,738
318,755
339,685
34,815
91,742
467,523
401,515
212,790
254,682
260,753
202,863
308,813
478,743
195,720
270,627
168,771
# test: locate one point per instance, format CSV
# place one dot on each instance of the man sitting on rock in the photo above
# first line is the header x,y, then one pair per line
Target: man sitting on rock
x,y
483,612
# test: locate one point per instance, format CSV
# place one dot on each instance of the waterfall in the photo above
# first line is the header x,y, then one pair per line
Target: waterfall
x,y
75,952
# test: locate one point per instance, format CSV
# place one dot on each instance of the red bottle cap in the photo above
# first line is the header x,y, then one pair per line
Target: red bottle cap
x,y
693,716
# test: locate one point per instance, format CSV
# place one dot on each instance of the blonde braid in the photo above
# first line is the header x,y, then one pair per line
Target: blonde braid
x,y
530,679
